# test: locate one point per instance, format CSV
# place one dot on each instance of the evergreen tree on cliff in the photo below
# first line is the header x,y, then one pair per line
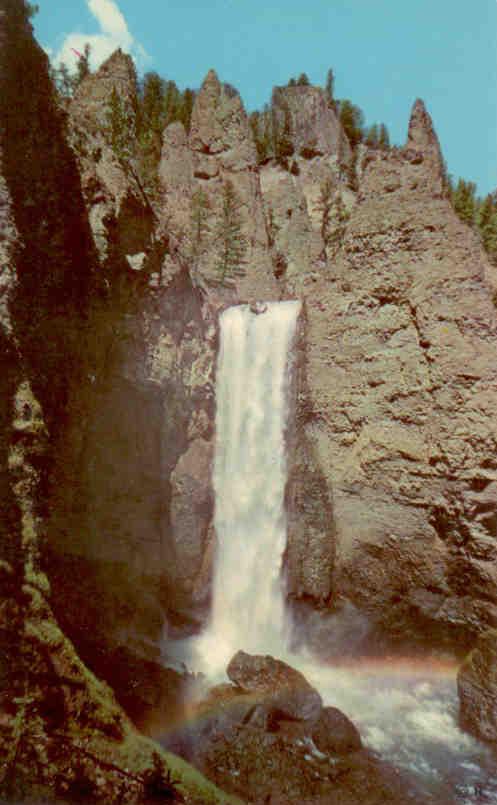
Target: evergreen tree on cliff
x,y
487,224
229,235
464,201
352,120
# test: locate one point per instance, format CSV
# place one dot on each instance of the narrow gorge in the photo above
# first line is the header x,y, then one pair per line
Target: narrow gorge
x,y
248,431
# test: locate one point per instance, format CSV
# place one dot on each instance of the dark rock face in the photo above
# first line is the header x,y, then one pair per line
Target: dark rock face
x,y
51,704
288,691
477,687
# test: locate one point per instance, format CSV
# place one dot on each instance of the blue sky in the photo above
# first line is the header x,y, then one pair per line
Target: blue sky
x,y
384,53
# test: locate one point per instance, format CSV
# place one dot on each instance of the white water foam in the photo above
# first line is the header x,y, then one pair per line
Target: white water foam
x,y
249,480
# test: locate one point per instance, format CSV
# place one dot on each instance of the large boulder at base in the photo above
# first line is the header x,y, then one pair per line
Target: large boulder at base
x,y
288,692
234,740
477,687
334,733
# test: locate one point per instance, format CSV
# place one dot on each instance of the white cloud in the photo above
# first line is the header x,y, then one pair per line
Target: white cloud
x,y
111,20
114,33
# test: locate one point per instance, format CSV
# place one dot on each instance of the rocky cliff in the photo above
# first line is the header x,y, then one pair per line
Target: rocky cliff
x,y
111,288
401,405
63,735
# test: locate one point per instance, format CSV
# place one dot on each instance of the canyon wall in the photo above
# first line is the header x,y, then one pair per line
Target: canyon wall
x,y
392,477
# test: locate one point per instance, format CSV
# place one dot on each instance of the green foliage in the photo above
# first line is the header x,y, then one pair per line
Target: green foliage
x,y
151,115
351,171
372,137
384,137
160,103
229,235
83,67
352,120
261,125
303,80
464,201
480,214
272,131
199,222
377,136
186,108
330,87
487,225
120,127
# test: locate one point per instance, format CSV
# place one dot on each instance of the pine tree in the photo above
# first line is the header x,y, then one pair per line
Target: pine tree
x,y
487,224
257,123
120,128
199,222
464,201
303,80
372,136
83,68
384,137
151,106
352,177
330,86
187,108
352,120
229,234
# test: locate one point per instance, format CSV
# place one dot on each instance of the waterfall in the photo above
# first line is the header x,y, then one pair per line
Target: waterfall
x,y
249,481
405,710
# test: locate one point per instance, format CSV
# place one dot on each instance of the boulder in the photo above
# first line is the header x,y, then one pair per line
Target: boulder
x,y
287,691
477,688
333,733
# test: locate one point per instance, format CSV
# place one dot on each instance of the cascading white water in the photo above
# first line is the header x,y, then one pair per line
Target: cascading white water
x,y
249,483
